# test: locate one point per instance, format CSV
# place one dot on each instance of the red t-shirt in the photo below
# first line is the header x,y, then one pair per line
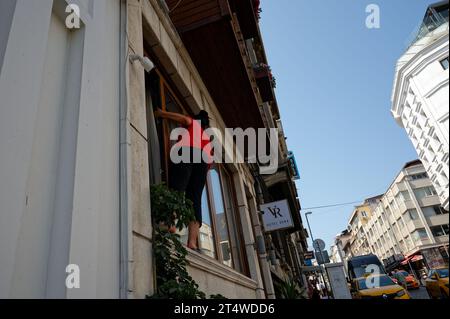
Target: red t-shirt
x,y
196,137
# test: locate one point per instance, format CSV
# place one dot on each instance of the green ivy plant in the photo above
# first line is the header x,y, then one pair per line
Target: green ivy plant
x,y
172,209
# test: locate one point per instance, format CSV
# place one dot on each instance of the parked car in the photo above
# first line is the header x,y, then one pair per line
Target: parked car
x,y
437,283
384,288
411,281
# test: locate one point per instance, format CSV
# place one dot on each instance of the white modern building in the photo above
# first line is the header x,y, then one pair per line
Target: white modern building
x,y
409,221
420,100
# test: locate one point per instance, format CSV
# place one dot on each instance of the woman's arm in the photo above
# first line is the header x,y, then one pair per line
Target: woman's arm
x,y
179,118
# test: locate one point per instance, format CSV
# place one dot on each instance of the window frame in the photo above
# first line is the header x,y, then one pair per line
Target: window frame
x,y
166,86
237,226
441,228
439,210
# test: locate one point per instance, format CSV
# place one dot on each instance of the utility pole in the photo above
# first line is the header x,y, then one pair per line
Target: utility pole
x,y
312,236
314,248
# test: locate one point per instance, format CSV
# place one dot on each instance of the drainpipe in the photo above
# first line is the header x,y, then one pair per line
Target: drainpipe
x,y
125,289
262,252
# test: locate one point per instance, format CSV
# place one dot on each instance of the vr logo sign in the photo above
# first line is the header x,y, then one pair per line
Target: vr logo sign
x,y
276,216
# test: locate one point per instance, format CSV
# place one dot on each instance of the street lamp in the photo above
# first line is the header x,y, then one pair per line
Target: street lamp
x,y
314,248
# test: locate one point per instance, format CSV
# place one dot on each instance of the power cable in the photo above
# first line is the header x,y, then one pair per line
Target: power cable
x,y
333,205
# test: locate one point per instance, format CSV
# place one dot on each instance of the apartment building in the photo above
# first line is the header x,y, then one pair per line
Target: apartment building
x,y
420,96
406,225
84,146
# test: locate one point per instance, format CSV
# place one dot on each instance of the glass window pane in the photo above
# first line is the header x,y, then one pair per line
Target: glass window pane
x,y
221,219
233,223
444,63
428,211
206,238
413,214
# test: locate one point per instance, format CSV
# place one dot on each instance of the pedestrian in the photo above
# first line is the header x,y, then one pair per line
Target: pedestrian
x,y
315,293
323,290
190,176
310,289
400,278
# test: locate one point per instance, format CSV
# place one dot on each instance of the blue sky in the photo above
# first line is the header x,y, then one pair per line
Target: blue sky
x,y
334,83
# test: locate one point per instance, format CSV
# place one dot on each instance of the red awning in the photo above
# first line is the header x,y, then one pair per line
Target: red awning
x,y
412,258
406,261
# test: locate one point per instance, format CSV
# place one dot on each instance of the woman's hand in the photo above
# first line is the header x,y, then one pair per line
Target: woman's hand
x,y
179,118
158,113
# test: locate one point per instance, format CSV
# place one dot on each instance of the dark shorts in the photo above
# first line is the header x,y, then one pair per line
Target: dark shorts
x,y
191,179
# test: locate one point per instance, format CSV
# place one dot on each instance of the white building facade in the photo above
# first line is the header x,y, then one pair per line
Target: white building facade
x,y
59,128
409,220
81,149
420,100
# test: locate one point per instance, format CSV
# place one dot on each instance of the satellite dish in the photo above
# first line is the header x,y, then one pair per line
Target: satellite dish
x,y
319,245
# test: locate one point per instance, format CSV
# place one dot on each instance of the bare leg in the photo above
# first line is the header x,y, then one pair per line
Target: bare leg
x,y
194,230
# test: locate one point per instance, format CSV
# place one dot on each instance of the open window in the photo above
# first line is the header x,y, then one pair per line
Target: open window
x,y
159,95
221,235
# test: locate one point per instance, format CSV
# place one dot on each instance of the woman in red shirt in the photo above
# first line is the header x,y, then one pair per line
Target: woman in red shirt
x,y
190,177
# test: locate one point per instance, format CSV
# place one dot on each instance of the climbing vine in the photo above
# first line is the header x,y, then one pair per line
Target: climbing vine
x,y
172,209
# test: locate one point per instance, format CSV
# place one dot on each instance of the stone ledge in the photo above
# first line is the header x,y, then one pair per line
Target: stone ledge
x,y
213,267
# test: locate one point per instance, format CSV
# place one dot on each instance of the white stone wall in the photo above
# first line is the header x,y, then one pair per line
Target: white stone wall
x,y
59,136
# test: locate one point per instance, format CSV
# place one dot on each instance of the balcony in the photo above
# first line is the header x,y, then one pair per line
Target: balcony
x,y
437,220
414,224
429,201
403,206
398,187
214,31
419,183
265,81
442,239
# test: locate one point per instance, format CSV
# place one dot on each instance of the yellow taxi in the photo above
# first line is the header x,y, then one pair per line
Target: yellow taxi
x,y
378,287
437,283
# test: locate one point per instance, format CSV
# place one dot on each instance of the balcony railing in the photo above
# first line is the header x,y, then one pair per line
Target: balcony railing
x,y
431,22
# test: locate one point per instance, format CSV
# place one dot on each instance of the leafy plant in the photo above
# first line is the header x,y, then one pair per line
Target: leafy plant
x,y
289,289
171,208
257,8
173,279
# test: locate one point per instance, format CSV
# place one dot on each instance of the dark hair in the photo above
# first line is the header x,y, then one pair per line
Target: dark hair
x,y
203,117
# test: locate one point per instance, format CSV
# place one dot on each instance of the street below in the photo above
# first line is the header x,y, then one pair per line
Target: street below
x,y
420,293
